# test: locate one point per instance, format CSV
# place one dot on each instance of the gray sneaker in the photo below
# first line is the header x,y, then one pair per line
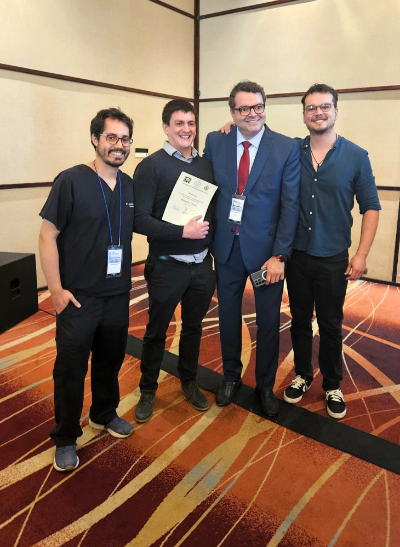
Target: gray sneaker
x,y
144,408
195,397
117,427
65,458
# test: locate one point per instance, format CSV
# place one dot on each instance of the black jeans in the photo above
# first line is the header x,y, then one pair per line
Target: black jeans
x,y
168,284
100,326
319,281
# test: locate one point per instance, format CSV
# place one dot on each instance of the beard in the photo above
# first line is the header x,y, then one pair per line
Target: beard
x,y
316,130
113,161
321,131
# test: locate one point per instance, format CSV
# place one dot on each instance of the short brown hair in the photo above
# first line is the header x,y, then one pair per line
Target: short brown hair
x,y
248,87
321,88
177,105
98,122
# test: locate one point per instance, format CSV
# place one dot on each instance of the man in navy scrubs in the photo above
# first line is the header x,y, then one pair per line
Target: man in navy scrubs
x,y
85,251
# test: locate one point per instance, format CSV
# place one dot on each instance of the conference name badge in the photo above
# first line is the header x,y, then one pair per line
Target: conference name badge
x,y
236,211
114,261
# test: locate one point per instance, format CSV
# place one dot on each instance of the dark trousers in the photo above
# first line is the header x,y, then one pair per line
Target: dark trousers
x,y
100,326
231,281
320,282
168,284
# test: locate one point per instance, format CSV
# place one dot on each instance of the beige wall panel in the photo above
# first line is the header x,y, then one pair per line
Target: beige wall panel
x,y
132,43
348,43
369,120
185,5
47,121
47,126
212,6
20,224
380,258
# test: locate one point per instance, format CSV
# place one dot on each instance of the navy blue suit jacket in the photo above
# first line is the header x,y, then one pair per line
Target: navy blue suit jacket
x,y
271,209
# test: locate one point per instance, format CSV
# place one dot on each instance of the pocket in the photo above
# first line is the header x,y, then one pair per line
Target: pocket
x,y
149,267
65,310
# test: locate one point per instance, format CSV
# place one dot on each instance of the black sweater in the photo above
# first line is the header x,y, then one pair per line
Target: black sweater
x,y
153,182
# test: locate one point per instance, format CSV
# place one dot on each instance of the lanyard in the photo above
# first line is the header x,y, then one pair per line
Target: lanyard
x,y
105,202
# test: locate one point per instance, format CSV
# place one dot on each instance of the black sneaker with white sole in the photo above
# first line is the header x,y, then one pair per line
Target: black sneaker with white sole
x,y
294,393
335,405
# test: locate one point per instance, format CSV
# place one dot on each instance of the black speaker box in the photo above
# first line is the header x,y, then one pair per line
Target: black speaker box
x,y
18,288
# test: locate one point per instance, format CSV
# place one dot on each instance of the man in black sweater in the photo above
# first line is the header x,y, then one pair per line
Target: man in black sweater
x,y
179,266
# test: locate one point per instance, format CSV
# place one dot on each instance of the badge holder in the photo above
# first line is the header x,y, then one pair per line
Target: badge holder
x,y
114,252
114,261
236,210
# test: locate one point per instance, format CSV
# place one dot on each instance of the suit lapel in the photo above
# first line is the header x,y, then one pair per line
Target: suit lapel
x,y
263,152
231,158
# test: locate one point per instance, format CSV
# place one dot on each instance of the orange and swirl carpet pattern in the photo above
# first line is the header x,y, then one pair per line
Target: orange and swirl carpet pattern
x,y
226,477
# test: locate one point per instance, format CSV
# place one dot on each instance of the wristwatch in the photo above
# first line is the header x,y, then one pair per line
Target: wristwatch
x,y
281,258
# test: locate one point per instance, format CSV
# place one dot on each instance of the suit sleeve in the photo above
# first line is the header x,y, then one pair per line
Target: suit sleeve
x,y
207,149
289,213
145,185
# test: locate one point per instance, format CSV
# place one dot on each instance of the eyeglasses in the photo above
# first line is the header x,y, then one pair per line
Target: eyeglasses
x,y
245,110
325,107
113,139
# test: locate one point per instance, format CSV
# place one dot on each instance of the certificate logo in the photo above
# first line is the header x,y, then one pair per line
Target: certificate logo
x,y
197,184
206,188
187,180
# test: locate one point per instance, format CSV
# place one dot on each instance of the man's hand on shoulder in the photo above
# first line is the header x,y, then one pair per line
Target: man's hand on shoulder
x,y
195,229
226,128
275,270
61,298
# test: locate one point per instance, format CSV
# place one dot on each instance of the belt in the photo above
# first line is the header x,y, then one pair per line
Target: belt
x,y
168,258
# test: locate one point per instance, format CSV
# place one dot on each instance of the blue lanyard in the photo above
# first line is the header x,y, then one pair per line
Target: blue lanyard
x,y
105,202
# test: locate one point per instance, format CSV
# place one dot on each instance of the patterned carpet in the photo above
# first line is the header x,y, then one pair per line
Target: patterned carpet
x,y
227,477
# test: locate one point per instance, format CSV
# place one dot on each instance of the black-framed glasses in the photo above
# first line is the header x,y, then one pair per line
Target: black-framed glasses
x,y
111,138
325,107
245,110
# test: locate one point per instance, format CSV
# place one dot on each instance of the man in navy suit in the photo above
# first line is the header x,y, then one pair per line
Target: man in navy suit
x,y
258,174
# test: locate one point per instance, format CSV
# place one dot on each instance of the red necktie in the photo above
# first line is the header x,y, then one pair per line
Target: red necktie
x,y
243,171
244,166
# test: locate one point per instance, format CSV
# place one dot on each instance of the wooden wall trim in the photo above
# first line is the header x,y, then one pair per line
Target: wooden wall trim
x,y
396,188
301,93
381,281
247,8
66,78
25,185
396,248
196,83
173,8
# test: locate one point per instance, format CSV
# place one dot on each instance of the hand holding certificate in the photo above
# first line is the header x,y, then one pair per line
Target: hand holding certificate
x,y
190,198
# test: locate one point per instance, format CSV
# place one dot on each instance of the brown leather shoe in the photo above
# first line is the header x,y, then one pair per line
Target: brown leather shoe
x,y
226,392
